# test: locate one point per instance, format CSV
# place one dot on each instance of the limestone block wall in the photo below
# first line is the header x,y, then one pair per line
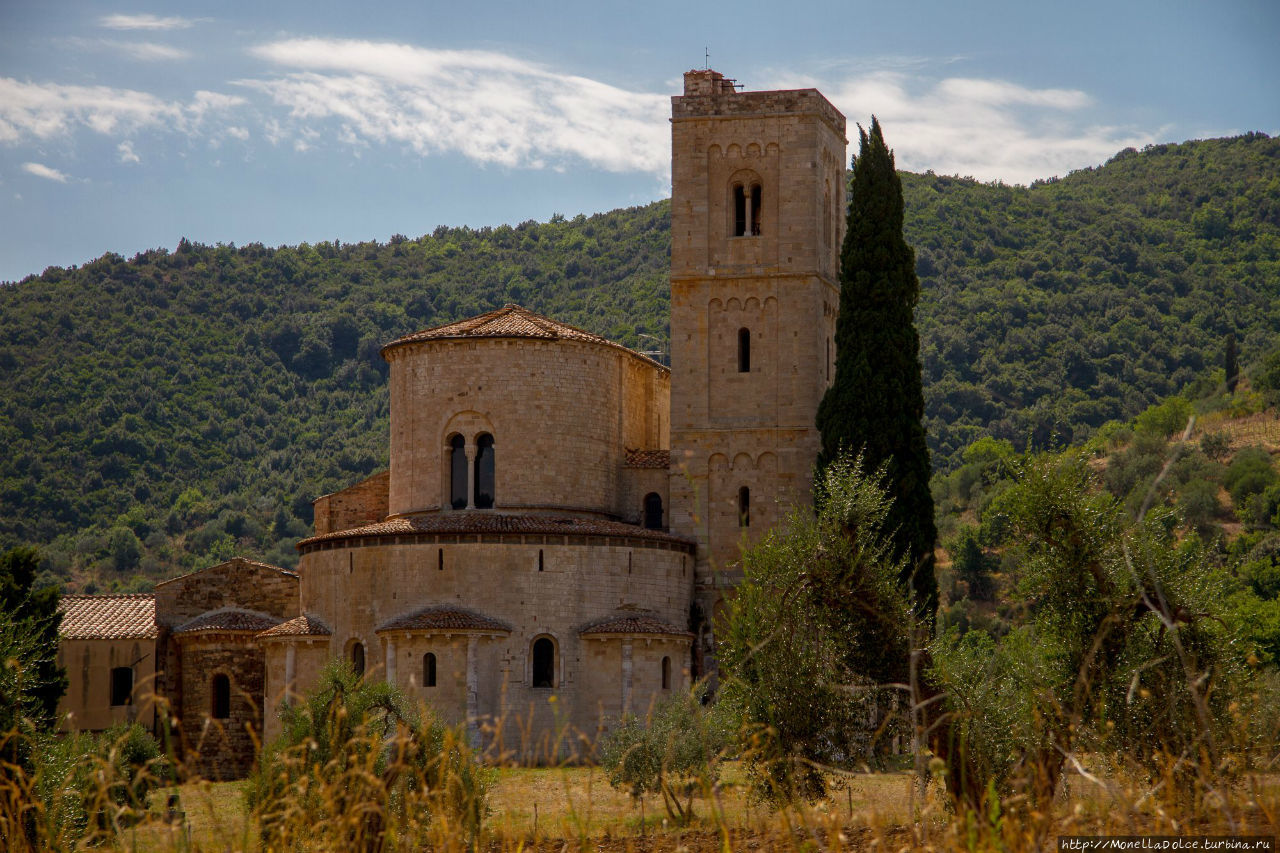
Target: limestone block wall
x,y
235,583
581,579
310,657
561,414
86,706
636,484
359,504
221,749
606,665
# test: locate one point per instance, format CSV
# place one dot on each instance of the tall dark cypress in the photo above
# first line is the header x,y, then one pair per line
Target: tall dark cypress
x,y
876,403
1231,363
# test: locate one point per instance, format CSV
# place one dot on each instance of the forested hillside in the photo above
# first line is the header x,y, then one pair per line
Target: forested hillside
x,y
170,410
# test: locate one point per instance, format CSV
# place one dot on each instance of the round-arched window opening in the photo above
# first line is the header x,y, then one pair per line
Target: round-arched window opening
x,y
429,670
544,662
653,511
484,472
744,507
666,673
357,658
744,350
458,472
220,697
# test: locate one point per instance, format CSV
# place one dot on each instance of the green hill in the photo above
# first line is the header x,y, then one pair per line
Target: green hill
x,y
174,408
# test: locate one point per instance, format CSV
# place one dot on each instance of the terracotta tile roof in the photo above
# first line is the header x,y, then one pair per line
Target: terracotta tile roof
x,y
107,617
228,619
305,625
443,618
633,624
241,560
648,459
511,321
491,522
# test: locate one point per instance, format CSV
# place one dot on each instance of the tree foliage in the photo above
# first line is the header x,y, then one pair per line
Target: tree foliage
x,y
875,405
32,681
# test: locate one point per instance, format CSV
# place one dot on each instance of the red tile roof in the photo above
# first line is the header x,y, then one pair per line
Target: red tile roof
x,y
511,321
633,624
228,619
108,617
444,618
491,522
648,459
305,625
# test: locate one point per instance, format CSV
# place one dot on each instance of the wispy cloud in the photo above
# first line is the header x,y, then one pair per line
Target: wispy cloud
x,y
147,51
127,154
987,129
42,171
147,22
45,111
487,106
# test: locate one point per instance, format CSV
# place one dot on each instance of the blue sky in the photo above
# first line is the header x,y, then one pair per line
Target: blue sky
x,y
126,127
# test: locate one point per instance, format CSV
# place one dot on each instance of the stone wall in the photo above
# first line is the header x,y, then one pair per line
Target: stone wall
x,y
220,749
86,706
561,414
235,583
311,654
357,505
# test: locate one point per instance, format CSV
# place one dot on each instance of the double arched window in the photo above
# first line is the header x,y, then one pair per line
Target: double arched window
x,y
747,201
472,484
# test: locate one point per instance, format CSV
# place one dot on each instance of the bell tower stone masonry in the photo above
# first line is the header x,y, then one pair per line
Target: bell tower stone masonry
x,y
757,199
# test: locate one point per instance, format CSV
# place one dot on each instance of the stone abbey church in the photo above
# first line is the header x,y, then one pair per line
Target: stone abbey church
x,y
562,515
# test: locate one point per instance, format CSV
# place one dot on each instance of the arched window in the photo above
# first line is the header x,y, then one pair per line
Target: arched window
x,y
756,198
220,697
121,685
739,210
544,662
653,511
429,670
458,472
744,507
744,350
357,658
484,472
666,673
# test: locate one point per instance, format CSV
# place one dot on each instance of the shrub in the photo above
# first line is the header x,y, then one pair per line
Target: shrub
x,y
1249,473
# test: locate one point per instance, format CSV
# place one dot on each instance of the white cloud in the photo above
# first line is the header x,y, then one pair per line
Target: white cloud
x,y
42,171
487,106
146,22
241,133
987,129
127,154
50,110
147,51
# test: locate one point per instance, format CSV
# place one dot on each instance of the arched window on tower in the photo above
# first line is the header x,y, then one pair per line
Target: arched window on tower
x,y
739,210
744,507
429,670
357,658
666,673
757,197
544,662
653,511
744,350
484,471
220,697
458,472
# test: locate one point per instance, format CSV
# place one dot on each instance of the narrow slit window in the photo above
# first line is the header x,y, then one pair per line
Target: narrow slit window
x,y
666,673
544,662
755,209
540,563
458,472
484,472
744,350
744,507
440,560
220,697
429,670
739,210
121,685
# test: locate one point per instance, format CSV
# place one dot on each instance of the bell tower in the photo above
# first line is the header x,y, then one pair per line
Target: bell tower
x,y
757,202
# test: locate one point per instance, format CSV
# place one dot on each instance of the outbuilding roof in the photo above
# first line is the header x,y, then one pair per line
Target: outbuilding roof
x,y
511,321
108,617
305,625
648,459
235,619
633,624
444,618
490,522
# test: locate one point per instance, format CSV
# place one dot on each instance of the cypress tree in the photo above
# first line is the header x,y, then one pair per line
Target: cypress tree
x,y
876,403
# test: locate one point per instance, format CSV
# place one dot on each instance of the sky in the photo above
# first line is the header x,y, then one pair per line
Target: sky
x,y
125,127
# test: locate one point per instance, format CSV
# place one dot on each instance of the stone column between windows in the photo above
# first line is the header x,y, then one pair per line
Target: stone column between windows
x,y
391,660
290,670
473,691
470,451
626,676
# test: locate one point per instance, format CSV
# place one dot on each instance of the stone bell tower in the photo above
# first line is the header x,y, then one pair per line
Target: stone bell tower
x,y
757,202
